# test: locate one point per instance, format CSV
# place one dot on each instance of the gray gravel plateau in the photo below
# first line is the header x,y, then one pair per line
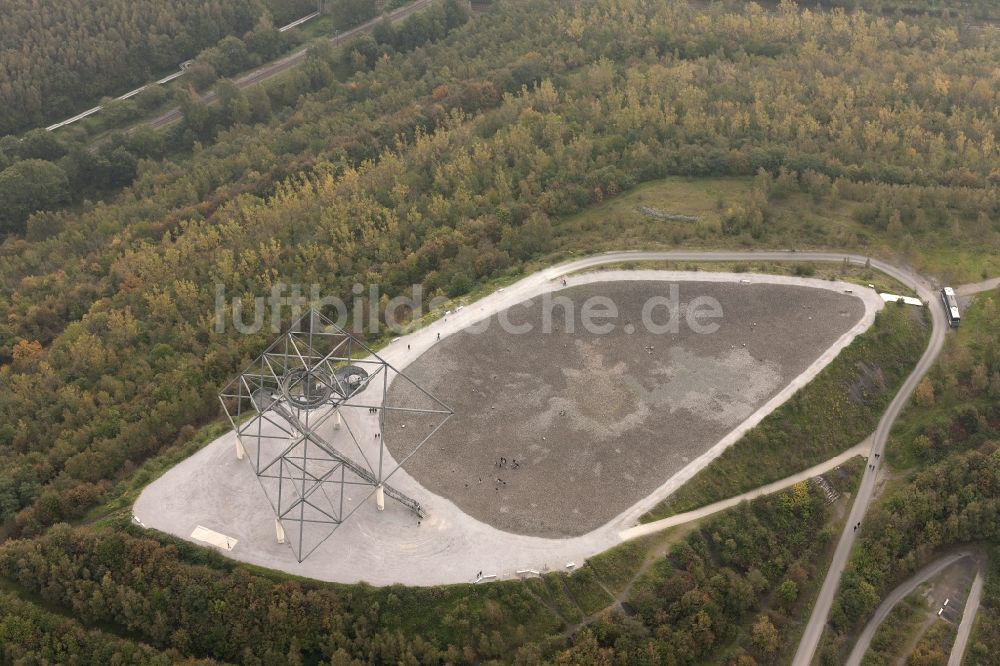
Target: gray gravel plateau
x,y
596,422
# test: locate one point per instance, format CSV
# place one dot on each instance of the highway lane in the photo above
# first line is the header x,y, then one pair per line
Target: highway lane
x,y
277,67
165,79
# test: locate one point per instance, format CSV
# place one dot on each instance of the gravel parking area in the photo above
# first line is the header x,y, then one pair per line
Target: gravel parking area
x,y
595,422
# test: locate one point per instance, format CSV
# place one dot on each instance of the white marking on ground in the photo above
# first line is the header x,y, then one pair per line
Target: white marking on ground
x,y
895,298
213,538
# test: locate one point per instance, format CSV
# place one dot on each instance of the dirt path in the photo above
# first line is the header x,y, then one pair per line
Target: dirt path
x,y
697,514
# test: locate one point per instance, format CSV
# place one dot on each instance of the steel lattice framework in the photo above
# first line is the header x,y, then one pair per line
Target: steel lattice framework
x,y
298,412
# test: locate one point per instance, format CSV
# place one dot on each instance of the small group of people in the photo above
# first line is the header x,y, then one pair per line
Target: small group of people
x,y
502,463
373,410
870,465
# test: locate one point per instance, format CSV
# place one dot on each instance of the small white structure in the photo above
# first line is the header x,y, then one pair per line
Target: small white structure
x,y
213,538
895,298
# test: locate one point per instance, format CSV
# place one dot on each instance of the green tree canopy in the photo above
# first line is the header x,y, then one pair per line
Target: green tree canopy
x,y
27,186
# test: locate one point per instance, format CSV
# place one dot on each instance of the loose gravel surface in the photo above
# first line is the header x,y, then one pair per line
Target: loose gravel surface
x,y
595,422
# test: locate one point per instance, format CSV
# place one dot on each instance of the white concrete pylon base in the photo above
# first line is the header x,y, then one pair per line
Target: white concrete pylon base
x,y
279,531
240,451
380,498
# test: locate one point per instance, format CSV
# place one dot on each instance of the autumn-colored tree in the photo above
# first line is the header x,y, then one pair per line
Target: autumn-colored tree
x,y
764,636
924,393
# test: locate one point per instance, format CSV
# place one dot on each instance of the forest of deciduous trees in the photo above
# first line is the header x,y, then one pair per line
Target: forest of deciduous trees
x,y
974,9
57,58
714,589
955,501
450,155
417,171
43,171
29,634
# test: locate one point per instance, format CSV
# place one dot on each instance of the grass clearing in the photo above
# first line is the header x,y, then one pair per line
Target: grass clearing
x,y
955,252
617,567
585,588
897,630
557,594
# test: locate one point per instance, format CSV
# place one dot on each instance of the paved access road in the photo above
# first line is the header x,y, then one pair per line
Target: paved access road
x,y
968,619
465,545
901,592
284,64
821,609
970,289
928,293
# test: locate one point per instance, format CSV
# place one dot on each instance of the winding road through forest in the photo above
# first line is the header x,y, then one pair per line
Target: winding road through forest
x,y
866,490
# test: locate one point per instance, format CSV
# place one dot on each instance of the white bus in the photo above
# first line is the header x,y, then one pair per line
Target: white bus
x,y
950,306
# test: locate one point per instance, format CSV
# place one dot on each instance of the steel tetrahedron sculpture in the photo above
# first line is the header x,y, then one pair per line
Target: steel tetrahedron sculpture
x,y
309,416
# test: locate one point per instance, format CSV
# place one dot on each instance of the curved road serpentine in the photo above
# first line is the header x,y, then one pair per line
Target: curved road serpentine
x,y
824,601
901,591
